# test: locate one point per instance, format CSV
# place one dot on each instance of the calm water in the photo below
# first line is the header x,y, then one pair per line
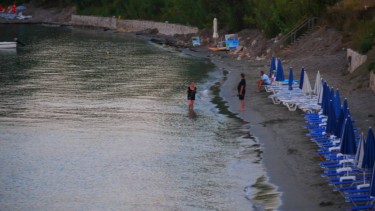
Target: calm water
x,y
93,120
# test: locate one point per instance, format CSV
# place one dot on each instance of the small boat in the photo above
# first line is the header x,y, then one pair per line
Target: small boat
x,y
219,49
6,45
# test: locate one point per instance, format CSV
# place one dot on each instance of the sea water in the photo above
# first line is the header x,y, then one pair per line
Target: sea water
x,y
94,120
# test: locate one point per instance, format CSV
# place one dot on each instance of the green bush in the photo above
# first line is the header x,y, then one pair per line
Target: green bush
x,y
271,16
366,44
371,67
363,34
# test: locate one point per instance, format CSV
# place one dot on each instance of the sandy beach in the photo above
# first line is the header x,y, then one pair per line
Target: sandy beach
x,y
288,154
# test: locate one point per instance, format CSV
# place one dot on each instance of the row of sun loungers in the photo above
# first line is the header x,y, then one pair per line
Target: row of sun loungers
x,y
348,156
345,171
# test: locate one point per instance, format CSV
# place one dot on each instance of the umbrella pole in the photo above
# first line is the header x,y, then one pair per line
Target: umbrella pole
x,y
364,177
346,158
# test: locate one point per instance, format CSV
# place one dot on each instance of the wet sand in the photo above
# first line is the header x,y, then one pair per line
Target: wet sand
x,y
288,155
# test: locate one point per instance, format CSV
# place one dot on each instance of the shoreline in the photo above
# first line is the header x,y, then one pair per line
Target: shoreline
x,y
288,156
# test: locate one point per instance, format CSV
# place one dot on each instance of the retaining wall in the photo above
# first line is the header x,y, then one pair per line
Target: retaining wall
x,y
132,25
163,28
354,59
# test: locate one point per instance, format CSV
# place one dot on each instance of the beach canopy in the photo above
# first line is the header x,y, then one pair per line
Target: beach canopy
x,y
306,88
290,82
348,145
301,77
280,71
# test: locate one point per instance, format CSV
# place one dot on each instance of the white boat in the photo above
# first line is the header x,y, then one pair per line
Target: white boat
x,y
6,45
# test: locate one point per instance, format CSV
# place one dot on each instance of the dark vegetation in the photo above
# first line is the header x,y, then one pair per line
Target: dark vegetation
x,y
356,19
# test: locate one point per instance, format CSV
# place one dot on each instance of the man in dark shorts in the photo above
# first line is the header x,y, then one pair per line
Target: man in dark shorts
x,y
241,88
191,91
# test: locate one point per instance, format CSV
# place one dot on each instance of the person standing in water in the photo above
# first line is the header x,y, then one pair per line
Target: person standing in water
x,y
241,88
191,91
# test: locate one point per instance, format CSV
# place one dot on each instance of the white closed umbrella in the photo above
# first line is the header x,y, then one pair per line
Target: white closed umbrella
x,y
360,152
306,88
318,83
215,35
320,93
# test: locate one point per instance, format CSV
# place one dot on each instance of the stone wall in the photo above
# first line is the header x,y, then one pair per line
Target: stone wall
x,y
132,25
354,59
163,28
372,81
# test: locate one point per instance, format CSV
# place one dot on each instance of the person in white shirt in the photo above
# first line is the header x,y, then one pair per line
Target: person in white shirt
x,y
264,80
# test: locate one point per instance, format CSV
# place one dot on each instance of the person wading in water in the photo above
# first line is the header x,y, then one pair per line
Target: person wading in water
x,y
191,91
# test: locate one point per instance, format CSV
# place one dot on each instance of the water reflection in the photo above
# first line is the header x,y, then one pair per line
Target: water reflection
x,y
8,52
192,114
84,130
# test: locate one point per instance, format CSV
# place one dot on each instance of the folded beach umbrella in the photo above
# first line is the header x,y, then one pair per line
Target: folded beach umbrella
x,y
306,88
273,65
332,94
348,145
368,159
340,122
318,83
359,156
337,102
280,71
331,121
325,100
360,152
369,151
372,183
347,112
345,105
290,82
301,78
329,96
215,35
320,94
